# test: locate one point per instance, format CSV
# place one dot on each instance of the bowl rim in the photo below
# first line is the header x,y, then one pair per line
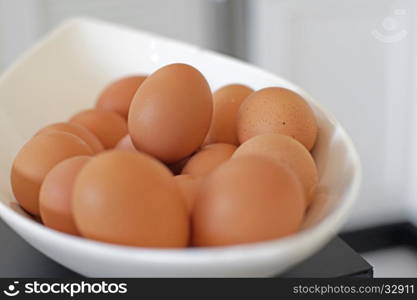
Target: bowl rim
x,y
337,216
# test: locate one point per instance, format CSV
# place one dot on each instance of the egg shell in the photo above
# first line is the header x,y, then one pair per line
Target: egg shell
x,y
226,101
118,95
277,110
108,126
247,200
288,151
78,130
55,196
171,112
189,186
208,158
36,158
125,144
129,198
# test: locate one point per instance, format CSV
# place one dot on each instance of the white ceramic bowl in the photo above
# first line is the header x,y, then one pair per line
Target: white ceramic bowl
x,y
64,73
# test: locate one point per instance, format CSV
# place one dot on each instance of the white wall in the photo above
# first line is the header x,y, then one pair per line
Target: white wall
x,y
329,48
202,22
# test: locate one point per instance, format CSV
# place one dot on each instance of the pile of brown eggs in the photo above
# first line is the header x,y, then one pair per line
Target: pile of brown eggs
x,y
162,162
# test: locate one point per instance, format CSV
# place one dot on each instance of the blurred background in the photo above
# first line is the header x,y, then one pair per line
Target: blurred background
x,y
358,58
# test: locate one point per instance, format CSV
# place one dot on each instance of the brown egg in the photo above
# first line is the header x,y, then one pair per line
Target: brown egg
x,y
171,112
108,126
36,158
287,151
55,196
226,101
125,144
78,130
277,110
208,158
247,200
118,95
129,198
189,186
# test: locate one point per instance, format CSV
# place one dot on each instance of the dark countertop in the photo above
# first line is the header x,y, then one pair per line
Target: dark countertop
x,y
19,259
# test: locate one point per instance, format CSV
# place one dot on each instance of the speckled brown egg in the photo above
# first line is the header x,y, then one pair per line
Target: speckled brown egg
x,y
208,158
129,198
36,158
189,186
277,110
118,95
55,196
171,112
284,150
247,200
125,144
226,101
108,126
77,130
